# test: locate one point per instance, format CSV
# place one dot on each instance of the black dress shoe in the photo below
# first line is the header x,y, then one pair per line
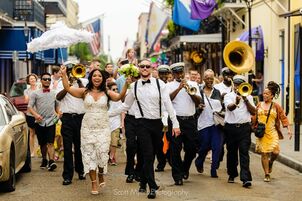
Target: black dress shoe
x,y
152,194
199,169
130,178
137,178
231,179
246,184
214,174
185,175
142,189
82,177
178,182
67,182
159,170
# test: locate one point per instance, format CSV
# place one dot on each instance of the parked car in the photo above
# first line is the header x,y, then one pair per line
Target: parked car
x,y
14,144
16,95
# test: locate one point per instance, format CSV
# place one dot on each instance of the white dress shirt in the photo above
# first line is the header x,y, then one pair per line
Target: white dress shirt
x,y
148,98
223,88
71,104
183,103
239,115
206,118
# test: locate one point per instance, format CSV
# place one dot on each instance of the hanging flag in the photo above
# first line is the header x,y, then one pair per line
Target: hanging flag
x,y
156,22
95,44
202,9
182,15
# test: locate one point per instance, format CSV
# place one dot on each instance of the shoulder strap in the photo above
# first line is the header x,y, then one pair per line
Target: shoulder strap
x,y
269,111
158,87
139,105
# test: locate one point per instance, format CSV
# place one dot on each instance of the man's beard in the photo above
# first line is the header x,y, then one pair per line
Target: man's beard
x,y
145,76
46,87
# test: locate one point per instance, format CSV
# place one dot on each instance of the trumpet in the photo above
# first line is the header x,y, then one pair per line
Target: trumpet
x,y
190,90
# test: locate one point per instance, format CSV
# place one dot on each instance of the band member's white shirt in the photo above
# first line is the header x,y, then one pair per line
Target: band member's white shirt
x,y
206,118
223,88
71,104
240,114
183,103
148,97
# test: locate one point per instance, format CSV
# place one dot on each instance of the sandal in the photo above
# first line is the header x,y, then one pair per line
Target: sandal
x,y
92,191
267,178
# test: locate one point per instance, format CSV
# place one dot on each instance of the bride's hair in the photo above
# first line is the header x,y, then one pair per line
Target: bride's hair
x,y
102,87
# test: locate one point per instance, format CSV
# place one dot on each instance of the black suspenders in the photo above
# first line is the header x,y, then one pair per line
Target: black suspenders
x,y
138,103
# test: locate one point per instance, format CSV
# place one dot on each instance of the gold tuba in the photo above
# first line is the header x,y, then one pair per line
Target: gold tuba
x,y
239,57
245,89
78,71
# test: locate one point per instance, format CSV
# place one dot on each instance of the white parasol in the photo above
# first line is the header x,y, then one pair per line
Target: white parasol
x,y
59,36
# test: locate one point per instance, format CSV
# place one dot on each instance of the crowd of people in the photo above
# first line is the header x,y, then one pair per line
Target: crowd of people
x,y
161,103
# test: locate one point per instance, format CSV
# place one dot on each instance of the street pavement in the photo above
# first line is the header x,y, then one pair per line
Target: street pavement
x,y
41,185
288,156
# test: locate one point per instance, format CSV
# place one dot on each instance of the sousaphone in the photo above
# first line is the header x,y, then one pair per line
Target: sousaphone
x,y
239,57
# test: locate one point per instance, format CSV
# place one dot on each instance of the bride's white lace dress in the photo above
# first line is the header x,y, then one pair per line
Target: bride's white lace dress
x,y
95,134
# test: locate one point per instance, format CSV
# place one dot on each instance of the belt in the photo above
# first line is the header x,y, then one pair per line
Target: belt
x,y
73,115
238,125
129,115
185,117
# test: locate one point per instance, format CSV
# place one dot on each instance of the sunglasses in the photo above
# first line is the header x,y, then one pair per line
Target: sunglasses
x,y
144,66
114,89
46,79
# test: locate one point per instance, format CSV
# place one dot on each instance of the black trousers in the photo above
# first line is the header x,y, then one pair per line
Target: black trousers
x,y
71,133
131,125
187,139
238,141
149,137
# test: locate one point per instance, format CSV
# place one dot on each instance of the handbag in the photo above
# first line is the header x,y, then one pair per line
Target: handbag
x,y
260,127
218,116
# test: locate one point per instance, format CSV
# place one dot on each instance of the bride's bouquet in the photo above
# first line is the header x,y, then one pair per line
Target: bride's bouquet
x,y
129,70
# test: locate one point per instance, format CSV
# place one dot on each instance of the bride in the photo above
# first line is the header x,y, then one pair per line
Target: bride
x,y
95,129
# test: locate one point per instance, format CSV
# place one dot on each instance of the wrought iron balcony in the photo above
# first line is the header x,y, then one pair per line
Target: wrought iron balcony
x,y
29,11
55,7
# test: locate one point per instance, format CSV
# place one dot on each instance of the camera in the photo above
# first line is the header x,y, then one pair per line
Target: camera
x,y
124,62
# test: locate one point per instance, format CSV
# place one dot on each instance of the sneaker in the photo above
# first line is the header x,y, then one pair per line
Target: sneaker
x,y
52,165
44,163
231,179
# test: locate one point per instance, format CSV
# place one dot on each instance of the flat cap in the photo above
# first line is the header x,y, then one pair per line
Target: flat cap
x,y
163,68
177,67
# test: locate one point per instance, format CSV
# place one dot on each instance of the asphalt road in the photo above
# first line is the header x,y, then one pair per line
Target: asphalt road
x,y
41,185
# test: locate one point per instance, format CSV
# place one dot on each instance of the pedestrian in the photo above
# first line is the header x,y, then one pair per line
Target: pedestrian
x,y
31,80
150,95
115,126
130,56
238,132
209,135
73,112
44,107
271,114
95,130
184,102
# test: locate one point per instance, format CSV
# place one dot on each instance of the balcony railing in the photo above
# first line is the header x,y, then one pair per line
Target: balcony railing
x,y
55,7
29,10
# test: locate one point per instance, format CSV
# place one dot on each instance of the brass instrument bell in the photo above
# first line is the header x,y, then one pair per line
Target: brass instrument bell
x,y
239,57
78,71
245,89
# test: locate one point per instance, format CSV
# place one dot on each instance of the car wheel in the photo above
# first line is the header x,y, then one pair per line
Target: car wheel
x,y
10,185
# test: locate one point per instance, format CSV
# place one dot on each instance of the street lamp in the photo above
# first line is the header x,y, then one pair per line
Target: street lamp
x,y
26,33
249,4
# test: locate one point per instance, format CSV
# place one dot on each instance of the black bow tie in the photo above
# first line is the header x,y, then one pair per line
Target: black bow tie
x,y
147,81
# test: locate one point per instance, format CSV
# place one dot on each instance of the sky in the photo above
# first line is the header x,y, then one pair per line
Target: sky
x,y
120,20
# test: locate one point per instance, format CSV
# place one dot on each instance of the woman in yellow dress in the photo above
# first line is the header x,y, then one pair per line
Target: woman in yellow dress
x,y
268,145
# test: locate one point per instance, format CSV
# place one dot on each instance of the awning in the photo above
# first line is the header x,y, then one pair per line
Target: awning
x,y
202,38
